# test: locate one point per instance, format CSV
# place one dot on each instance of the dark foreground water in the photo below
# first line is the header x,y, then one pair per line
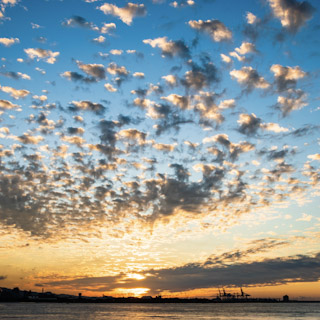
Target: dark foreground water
x,y
113,311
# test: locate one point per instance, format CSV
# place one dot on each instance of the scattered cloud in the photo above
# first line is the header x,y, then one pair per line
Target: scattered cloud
x,y
47,55
215,28
125,14
182,3
169,48
5,104
315,156
97,71
15,75
87,106
249,78
100,39
292,14
286,77
295,100
16,94
7,42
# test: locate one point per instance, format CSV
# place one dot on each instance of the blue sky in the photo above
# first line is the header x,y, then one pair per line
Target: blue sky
x,y
178,131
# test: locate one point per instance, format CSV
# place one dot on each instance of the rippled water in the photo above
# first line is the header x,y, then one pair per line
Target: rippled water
x,y
113,311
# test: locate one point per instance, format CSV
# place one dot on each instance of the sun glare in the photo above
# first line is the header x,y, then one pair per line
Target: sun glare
x,y
135,276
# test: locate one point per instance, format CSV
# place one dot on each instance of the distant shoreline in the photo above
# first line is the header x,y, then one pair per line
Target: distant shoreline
x,y
17,295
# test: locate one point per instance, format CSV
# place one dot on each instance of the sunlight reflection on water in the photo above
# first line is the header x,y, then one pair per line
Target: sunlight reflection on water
x,y
113,311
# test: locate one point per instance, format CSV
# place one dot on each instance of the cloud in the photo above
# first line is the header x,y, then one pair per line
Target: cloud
x,y
274,127
120,72
125,14
251,18
133,134
213,273
305,130
97,71
3,277
100,39
27,138
248,124
164,147
305,217
215,28
286,77
77,131
77,21
47,55
87,106
16,75
10,2
35,26
139,75
295,100
292,14
225,58
110,88
114,69
16,94
201,76
233,149
107,28
245,48
315,156
276,154
249,78
169,48
170,79
9,41
182,3
7,105
75,76
181,101
78,141
116,52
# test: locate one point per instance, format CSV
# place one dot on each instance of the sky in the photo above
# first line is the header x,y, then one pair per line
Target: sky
x,y
160,147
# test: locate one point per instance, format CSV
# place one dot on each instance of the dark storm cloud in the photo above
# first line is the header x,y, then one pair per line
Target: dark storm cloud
x,y
191,276
196,275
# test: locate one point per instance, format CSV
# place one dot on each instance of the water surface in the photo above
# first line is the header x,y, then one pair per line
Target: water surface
x,y
115,311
